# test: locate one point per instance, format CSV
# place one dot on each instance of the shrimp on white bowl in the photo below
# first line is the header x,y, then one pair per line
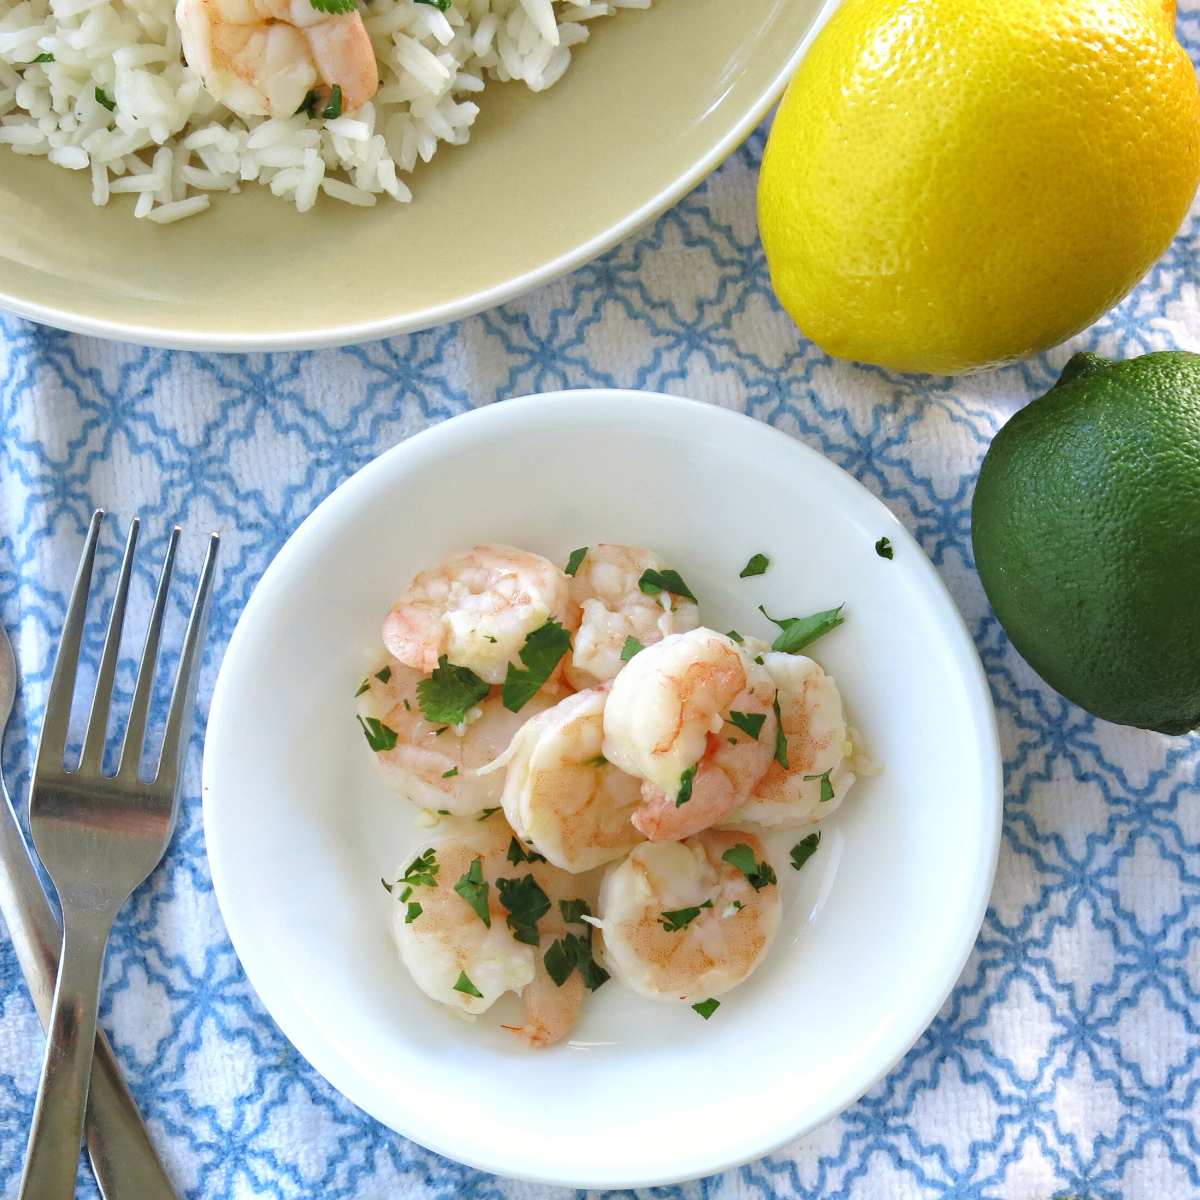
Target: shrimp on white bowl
x,y
692,716
476,609
267,58
819,753
619,611
686,921
561,795
474,917
431,763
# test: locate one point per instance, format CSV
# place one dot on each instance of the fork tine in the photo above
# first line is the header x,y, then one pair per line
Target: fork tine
x,y
52,747
93,742
135,731
185,683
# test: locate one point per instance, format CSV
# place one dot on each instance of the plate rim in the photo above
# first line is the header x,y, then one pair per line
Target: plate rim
x,y
355,333
989,753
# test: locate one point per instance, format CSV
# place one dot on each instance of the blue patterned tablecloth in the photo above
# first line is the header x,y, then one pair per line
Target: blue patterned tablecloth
x,y
1068,1059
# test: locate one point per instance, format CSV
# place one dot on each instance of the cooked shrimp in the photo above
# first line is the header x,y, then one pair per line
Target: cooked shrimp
x,y
263,57
435,766
819,749
560,794
613,609
679,922
451,953
664,721
735,759
477,608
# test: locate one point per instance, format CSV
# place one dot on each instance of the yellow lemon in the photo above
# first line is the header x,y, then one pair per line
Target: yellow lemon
x,y
955,183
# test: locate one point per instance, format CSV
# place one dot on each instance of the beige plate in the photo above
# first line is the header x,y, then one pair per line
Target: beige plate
x,y
649,106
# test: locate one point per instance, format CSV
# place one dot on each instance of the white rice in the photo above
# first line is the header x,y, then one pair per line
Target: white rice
x,y
117,102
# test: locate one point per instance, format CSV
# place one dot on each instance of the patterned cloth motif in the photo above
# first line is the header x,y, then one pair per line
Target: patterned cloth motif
x,y
1068,1059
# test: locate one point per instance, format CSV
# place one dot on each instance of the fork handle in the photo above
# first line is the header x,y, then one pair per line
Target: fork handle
x,y
52,1159
124,1160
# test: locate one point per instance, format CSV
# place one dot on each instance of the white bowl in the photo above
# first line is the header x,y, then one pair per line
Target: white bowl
x,y
876,927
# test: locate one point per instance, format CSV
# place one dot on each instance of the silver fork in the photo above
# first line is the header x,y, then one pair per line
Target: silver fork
x,y
99,837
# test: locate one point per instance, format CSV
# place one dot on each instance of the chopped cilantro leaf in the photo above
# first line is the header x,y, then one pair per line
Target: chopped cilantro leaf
x,y
681,918
573,911
43,58
487,812
449,692
598,761
105,100
632,646
560,960
333,109
443,812
517,854
576,560
759,874
379,736
365,686
308,105
826,785
333,6
758,658
734,636
465,986
407,706
706,1008
685,786
883,548
443,5
757,565
527,904
450,774
781,747
749,723
799,632
413,912
804,849
384,675
541,653
489,638
653,582
473,888
421,872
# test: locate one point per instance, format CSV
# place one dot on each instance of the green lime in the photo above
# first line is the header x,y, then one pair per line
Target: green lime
x,y
1086,526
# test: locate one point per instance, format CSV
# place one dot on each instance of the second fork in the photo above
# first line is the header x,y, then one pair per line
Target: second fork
x,y
99,837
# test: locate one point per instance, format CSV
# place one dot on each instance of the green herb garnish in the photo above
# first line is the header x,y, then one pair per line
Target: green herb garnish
x,y
487,812
308,105
421,872
450,774
42,58
465,986
473,888
598,761
757,565
333,6
706,1008
414,911
573,911
365,686
883,548
542,652
653,582
517,854
576,560
384,674
572,952
527,904
781,754
632,646
799,632
826,785
734,636
105,100
749,723
442,5
759,874
560,960
681,918
685,786
449,692
379,736
804,849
